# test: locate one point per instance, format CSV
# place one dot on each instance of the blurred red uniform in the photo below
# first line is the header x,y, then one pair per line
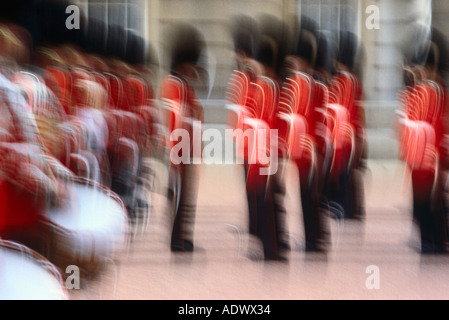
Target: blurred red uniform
x,y
350,148
27,183
185,110
423,149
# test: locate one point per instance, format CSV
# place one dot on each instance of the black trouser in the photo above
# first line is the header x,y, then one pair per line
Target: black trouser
x,y
347,190
266,210
348,193
278,194
314,220
183,224
123,184
429,211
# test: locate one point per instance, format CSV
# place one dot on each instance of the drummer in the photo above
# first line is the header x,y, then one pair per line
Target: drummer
x,y
30,179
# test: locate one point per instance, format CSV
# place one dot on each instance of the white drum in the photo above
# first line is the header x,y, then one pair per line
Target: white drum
x,y
25,275
90,229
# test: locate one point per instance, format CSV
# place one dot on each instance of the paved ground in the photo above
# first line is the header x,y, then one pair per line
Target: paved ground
x,y
220,269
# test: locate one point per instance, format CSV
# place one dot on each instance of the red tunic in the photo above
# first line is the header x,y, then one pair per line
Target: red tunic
x,y
23,184
184,107
346,90
425,108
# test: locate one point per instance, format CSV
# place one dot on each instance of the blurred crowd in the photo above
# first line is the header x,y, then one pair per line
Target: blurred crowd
x,y
303,84
80,106
77,107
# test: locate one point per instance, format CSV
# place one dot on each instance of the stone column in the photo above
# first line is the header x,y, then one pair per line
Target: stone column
x,y
383,67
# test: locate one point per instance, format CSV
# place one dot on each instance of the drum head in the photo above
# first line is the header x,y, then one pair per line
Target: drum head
x,y
90,229
26,276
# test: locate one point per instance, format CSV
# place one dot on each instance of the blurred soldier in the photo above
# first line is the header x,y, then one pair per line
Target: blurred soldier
x,y
246,34
178,93
266,194
346,91
423,144
300,109
253,95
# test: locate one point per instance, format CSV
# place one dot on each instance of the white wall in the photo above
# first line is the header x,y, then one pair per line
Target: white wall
x,y
211,17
